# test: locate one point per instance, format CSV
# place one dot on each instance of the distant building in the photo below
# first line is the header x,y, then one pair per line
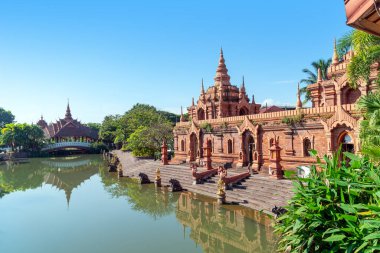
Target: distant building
x,y
67,133
241,132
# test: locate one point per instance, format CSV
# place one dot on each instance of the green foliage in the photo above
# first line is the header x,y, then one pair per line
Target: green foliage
x,y
312,76
367,51
293,120
94,126
147,140
22,137
6,117
370,125
207,127
336,209
108,128
141,129
98,147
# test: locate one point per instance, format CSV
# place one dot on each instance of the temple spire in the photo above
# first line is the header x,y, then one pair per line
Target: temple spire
x,y
335,58
319,76
299,102
182,118
221,76
192,102
68,111
202,88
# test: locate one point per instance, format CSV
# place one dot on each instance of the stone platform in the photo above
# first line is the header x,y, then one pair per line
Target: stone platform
x,y
259,192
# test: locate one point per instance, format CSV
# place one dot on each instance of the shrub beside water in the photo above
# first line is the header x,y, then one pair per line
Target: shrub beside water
x,y
336,209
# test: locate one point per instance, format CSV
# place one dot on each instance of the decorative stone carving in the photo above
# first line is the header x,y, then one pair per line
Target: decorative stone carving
x,y
175,185
143,178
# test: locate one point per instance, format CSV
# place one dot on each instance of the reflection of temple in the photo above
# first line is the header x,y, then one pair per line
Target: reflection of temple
x,y
67,179
231,229
226,120
67,133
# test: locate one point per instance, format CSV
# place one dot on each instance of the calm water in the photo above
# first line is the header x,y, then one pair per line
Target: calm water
x,y
75,205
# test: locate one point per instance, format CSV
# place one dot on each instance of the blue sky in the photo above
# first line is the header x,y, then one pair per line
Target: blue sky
x,y
106,55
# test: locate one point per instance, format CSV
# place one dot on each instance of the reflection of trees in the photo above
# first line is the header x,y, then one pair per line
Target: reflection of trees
x,y
21,177
143,198
224,229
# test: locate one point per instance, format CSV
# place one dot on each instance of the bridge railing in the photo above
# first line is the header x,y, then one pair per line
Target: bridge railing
x,y
67,144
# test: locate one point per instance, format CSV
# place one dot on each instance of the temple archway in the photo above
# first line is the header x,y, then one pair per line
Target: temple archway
x,y
193,147
350,95
229,147
201,114
249,147
243,111
346,143
306,147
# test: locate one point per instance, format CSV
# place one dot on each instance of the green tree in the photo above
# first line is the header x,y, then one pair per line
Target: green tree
x,y
312,76
147,140
94,126
22,137
6,117
107,131
367,52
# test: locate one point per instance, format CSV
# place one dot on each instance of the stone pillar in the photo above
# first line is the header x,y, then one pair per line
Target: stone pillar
x,y
164,153
207,156
240,162
339,97
329,144
289,148
275,168
176,142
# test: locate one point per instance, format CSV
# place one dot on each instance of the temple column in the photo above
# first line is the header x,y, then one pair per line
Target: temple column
x,y
339,97
289,148
329,143
176,142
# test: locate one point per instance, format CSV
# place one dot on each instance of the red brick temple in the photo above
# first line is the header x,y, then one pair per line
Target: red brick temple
x,y
241,132
67,133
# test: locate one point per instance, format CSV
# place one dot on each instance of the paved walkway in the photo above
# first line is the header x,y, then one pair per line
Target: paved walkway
x,y
259,192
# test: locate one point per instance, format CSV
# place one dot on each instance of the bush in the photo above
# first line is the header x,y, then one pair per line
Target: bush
x,y
334,210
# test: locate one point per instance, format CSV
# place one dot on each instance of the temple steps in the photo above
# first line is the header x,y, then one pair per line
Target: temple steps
x,y
259,192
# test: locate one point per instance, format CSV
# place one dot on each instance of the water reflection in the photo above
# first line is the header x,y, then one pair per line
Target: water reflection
x,y
155,202
227,229
63,173
205,225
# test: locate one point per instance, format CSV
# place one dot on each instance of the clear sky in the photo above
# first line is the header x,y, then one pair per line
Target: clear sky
x,y
106,55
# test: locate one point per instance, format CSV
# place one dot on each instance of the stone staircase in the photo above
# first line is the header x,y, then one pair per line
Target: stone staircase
x,y
259,192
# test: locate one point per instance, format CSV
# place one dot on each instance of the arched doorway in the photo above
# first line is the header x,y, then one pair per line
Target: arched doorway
x,y
243,111
201,114
249,147
193,147
346,143
306,147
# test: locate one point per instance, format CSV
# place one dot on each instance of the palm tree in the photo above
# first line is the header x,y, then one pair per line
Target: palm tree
x,y
367,51
312,76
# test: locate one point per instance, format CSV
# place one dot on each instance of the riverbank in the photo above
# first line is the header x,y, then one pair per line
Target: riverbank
x,y
259,192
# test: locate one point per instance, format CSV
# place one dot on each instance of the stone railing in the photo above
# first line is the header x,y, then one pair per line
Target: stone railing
x,y
276,115
66,144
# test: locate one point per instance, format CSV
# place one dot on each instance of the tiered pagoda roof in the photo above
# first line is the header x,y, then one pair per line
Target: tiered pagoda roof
x,y
67,127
